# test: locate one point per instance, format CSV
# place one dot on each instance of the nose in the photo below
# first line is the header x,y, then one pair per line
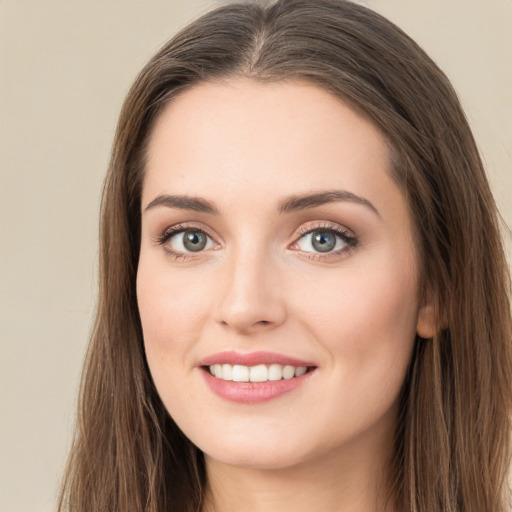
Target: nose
x,y
252,297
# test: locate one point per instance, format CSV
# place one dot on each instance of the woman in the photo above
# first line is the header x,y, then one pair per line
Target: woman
x,y
304,300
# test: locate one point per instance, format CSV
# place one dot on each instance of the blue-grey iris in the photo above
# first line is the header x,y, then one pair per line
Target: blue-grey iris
x,y
194,241
323,241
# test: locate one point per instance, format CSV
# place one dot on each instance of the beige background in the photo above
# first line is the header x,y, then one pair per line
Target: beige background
x,y
65,66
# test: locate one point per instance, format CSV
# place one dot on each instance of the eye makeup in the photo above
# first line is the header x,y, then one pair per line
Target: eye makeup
x,y
195,240
328,240
316,240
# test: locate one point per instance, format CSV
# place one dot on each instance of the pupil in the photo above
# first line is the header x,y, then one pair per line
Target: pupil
x,y
323,241
194,241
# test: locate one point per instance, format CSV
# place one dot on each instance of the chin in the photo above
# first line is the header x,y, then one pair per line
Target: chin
x,y
252,449
256,458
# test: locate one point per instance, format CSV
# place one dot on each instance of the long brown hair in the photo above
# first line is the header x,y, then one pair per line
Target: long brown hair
x,y
452,442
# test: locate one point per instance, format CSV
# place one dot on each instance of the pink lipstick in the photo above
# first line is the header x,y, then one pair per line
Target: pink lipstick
x,y
254,377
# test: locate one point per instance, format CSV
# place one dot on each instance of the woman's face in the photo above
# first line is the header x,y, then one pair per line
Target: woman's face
x,y
274,242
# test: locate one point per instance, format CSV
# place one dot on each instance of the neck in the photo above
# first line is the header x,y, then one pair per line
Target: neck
x,y
353,478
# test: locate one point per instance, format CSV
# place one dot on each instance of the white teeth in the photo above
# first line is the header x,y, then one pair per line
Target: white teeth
x,y
227,372
288,372
275,372
301,370
240,373
259,373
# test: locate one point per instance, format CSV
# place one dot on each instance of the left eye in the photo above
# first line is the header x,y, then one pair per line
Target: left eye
x,y
190,241
322,240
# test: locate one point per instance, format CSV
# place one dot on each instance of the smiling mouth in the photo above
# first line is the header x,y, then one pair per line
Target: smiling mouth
x,y
258,373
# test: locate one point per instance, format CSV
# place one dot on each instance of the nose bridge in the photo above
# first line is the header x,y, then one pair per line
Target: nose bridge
x,y
251,298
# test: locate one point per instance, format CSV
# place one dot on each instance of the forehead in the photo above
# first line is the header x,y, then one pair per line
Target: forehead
x,y
245,138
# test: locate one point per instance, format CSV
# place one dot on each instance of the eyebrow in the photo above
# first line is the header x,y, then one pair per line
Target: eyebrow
x,y
184,203
291,204
306,201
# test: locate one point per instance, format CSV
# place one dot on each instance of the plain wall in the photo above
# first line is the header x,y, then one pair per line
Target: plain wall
x,y
65,66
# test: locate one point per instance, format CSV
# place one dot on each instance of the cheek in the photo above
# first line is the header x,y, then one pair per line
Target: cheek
x,y
366,318
371,299
171,305
172,310
365,322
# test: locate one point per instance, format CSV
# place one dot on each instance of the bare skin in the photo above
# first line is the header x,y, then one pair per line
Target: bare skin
x,y
313,485
270,223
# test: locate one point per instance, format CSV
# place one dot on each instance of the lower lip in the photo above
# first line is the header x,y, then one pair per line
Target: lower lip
x,y
253,392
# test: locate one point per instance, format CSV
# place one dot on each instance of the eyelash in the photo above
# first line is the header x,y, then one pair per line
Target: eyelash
x,y
350,241
347,237
168,233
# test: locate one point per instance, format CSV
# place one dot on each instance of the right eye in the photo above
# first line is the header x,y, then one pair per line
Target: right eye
x,y
189,240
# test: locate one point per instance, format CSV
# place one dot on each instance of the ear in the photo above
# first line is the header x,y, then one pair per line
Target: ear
x,y
427,324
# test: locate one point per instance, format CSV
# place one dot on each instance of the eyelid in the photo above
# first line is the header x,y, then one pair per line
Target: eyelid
x,y
173,229
164,235
348,236
308,227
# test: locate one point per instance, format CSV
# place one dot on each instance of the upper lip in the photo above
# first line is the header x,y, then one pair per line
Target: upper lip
x,y
252,359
